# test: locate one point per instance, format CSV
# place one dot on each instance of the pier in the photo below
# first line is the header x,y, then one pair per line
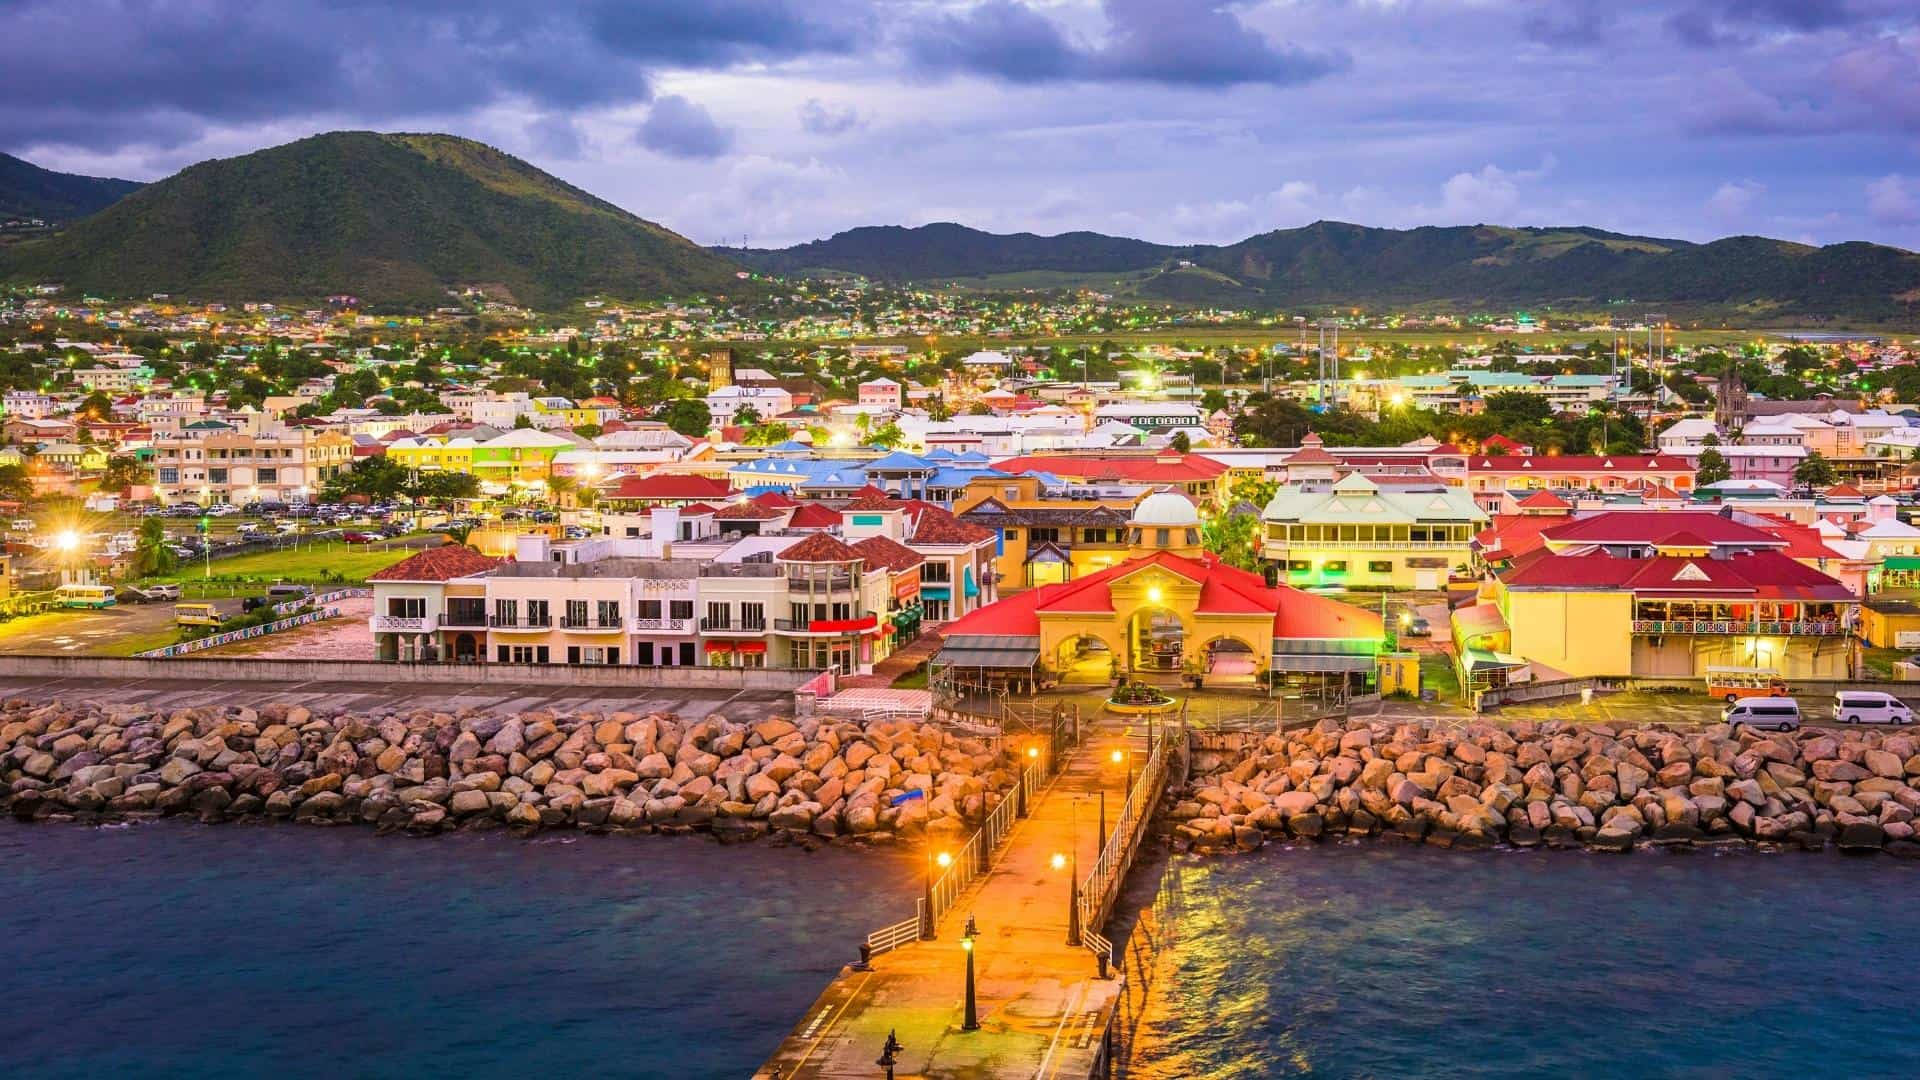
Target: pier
x,y
1035,884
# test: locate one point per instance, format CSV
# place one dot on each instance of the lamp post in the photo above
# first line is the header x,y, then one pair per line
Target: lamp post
x,y
1072,863
926,900
887,1060
972,1020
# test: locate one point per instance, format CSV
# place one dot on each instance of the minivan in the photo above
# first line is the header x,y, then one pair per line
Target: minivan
x,y
1870,707
1763,714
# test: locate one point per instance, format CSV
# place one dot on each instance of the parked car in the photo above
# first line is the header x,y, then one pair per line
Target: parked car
x,y
1870,707
1418,626
1763,714
358,537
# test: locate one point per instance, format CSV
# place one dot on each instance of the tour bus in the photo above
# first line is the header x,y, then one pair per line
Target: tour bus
x,y
1730,684
84,596
196,615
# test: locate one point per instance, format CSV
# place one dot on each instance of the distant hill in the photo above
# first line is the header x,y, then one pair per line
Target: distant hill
x,y
387,218
1478,266
29,191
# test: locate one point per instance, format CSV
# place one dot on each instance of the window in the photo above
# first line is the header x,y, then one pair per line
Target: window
x,y
1298,566
538,613
646,609
1161,537
718,616
643,653
1381,567
683,609
407,607
1193,536
608,612
1094,536
576,616
269,476
686,656
1012,534
1044,536
1337,567
506,612
753,616
802,615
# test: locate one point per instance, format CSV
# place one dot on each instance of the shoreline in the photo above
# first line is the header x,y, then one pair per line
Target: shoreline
x,y
816,781
1553,784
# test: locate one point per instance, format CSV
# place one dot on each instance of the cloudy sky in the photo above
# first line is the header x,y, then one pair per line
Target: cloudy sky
x,y
1175,120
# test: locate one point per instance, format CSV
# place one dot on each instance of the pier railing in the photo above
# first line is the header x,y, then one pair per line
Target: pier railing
x,y
1116,854
970,862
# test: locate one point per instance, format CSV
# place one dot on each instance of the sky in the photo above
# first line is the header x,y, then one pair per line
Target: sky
x,y
1183,121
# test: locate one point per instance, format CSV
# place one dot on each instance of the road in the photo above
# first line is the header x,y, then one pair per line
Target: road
x,y
89,631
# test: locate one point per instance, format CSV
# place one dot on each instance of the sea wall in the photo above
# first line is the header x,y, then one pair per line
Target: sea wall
x,y
429,771
283,671
1526,784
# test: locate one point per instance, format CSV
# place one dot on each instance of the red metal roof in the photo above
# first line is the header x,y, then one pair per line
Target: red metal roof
x,y
667,486
1548,463
1656,527
443,563
812,515
1163,469
1766,575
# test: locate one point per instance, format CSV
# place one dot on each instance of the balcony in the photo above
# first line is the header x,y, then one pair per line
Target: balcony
x,y
662,626
403,624
1275,544
1730,627
463,619
590,624
827,627
831,583
524,622
720,626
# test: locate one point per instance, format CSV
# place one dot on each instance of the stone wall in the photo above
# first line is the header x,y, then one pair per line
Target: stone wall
x,y
1559,784
428,771
365,671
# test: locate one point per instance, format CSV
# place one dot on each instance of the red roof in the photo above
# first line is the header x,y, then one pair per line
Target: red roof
x,y
812,515
888,552
819,548
1766,575
443,563
1514,535
748,510
937,526
779,500
667,486
1655,527
1224,590
1845,491
1545,500
1545,463
1501,442
1163,469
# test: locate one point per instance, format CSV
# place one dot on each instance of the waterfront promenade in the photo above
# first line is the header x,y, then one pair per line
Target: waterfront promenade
x,y
1042,1008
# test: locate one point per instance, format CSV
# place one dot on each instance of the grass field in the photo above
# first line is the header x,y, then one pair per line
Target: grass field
x,y
316,563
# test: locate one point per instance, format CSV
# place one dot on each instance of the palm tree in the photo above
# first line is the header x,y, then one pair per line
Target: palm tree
x,y
152,556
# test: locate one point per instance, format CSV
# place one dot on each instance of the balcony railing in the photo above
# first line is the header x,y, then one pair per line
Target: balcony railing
x,y
667,626
524,622
463,618
1777,627
827,584
1371,545
403,624
727,626
590,623
827,626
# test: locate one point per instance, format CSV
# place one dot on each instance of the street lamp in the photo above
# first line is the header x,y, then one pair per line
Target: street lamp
x,y
1073,877
944,860
972,1021
887,1060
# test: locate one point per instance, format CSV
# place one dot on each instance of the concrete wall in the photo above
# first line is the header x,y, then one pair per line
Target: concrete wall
x,y
352,671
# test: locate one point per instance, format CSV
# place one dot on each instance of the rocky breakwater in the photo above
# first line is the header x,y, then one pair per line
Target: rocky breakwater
x,y
1558,784
431,771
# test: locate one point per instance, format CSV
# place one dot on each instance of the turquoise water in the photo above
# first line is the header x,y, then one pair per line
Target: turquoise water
x,y
173,949
1374,961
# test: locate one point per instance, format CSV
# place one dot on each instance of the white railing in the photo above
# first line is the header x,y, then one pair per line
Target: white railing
x,y
404,624
1117,853
232,636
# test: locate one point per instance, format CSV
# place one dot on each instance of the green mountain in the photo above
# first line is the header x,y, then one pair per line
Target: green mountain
x,y
29,191
387,218
1480,266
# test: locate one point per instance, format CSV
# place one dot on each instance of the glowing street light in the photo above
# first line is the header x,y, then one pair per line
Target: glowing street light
x,y
972,1020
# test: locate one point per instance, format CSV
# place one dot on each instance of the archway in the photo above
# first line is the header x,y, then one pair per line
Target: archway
x,y
1227,660
1157,640
1086,660
465,649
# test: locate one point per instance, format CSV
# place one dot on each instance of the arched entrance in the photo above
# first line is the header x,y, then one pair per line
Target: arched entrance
x,y
465,649
1085,660
1229,661
1158,641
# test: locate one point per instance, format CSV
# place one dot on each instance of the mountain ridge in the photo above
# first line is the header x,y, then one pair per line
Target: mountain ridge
x,y
29,191
389,217
1332,262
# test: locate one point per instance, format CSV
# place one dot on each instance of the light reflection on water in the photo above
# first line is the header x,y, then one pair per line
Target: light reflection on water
x,y
1384,961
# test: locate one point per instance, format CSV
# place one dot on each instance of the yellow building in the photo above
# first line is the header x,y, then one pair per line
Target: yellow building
x,y
1043,540
1358,532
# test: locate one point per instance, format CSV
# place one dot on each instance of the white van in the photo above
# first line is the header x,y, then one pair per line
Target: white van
x,y
1763,714
1870,707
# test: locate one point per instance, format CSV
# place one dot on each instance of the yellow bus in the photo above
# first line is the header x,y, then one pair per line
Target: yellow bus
x,y
196,615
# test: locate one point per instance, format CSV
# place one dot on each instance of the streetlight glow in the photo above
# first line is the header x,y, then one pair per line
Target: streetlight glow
x,y
944,859
66,540
1059,861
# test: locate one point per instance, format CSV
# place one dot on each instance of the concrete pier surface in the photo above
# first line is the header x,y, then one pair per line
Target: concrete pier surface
x,y
1043,1010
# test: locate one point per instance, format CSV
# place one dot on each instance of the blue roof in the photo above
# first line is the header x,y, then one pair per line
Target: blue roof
x,y
953,478
897,461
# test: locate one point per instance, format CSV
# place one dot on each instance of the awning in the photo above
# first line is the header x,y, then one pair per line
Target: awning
x,y
1479,658
1323,662
751,646
989,651
1901,562
722,646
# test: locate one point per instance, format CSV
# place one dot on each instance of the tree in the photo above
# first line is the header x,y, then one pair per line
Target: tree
x,y
1712,468
1814,472
15,484
746,416
1180,442
96,405
1235,538
689,417
374,477
122,472
152,556
887,436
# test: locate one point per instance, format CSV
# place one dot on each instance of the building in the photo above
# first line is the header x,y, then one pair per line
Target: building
x,y
1200,478
1045,537
881,393
432,607
1489,477
209,462
1169,608
1359,532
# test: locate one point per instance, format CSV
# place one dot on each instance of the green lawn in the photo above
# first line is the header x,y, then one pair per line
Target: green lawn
x,y
912,680
132,644
1878,663
316,563
1437,674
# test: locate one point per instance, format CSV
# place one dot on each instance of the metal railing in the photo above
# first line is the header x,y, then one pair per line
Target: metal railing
x,y
1117,853
971,862
524,622
463,618
676,626
568,622
1789,627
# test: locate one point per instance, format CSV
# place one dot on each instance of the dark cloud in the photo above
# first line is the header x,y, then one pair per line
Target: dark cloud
x,y
717,33
1173,42
827,118
1720,23
679,128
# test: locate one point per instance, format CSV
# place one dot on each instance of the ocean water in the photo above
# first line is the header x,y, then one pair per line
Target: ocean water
x,y
1377,961
174,949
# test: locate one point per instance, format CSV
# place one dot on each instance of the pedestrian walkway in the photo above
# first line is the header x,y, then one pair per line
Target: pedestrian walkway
x,y
1043,1009
902,661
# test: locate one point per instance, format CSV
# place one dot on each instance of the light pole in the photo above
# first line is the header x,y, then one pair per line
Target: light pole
x,y
887,1060
972,1021
1072,863
926,901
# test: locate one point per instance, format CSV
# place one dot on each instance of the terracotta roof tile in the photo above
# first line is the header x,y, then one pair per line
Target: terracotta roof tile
x,y
888,552
443,563
820,548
